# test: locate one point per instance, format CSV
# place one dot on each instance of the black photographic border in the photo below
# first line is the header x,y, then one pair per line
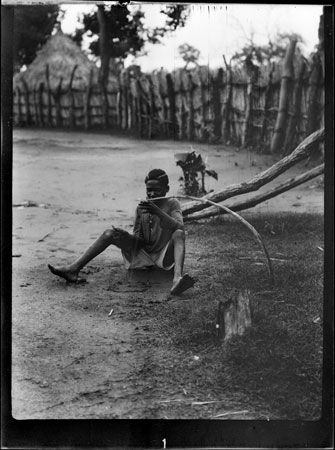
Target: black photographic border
x,y
150,433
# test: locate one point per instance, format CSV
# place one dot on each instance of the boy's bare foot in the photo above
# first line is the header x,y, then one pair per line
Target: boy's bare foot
x,y
183,283
68,275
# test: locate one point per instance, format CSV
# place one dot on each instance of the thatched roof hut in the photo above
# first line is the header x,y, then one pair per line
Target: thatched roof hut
x,y
57,60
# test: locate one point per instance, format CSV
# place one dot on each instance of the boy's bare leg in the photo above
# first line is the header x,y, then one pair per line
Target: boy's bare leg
x,y
179,255
180,282
70,272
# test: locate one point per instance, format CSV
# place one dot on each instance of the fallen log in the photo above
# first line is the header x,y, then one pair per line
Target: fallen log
x,y
301,152
251,202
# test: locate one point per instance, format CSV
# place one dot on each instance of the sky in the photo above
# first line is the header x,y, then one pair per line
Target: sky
x,y
216,29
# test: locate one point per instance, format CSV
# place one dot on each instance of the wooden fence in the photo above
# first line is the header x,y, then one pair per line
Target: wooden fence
x,y
229,106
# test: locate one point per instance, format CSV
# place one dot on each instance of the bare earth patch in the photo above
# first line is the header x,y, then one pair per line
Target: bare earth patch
x,y
101,348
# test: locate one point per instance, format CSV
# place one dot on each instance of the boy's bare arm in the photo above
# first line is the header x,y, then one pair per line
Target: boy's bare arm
x,y
166,220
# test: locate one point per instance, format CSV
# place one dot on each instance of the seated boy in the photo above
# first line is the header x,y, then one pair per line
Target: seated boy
x,y
158,238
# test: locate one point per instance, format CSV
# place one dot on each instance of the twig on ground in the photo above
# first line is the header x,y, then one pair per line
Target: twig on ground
x,y
26,204
206,403
49,234
263,292
293,306
232,412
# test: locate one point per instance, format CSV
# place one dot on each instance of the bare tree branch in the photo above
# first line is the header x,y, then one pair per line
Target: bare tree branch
x,y
303,150
251,202
241,219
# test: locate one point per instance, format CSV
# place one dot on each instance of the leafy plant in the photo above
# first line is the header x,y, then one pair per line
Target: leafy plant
x,y
194,171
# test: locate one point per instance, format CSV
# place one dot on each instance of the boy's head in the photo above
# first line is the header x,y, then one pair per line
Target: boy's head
x,y
157,183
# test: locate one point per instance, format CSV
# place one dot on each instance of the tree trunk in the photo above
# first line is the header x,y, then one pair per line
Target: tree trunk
x,y
185,112
247,117
143,110
260,198
172,108
40,103
19,110
294,119
131,109
313,111
252,71
301,152
321,33
190,125
57,97
26,99
124,93
157,107
118,107
268,93
49,120
285,90
227,105
103,45
87,102
234,315
104,58
217,83
36,109
126,104
321,48
70,92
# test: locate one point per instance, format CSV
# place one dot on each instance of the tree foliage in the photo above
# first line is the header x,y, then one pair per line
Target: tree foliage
x,y
189,54
273,51
32,27
125,32
122,31
176,16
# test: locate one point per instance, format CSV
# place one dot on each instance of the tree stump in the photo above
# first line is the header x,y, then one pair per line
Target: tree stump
x,y
234,315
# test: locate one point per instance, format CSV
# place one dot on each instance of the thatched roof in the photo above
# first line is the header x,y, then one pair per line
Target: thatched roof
x,y
61,55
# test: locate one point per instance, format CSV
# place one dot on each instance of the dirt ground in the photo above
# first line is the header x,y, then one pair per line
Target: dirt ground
x,y
71,358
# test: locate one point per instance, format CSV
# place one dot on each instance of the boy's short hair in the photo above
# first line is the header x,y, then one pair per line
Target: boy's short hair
x,y
158,175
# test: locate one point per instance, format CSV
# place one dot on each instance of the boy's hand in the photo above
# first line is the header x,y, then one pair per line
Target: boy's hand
x,y
150,207
125,240
121,237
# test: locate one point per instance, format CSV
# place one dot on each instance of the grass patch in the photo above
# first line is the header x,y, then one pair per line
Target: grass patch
x,y
277,363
